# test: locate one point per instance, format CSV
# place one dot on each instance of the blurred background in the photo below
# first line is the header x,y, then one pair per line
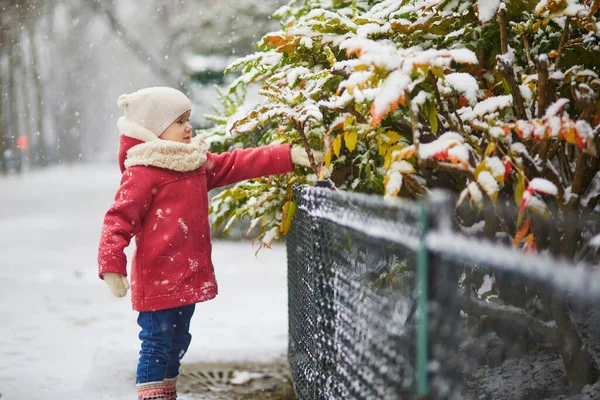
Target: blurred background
x,y
63,64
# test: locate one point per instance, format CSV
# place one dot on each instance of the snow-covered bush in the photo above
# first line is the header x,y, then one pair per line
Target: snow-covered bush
x,y
498,101
493,100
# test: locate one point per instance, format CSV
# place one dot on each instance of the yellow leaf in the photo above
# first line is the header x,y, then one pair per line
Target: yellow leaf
x,y
350,138
433,118
500,179
349,122
327,159
387,163
393,136
289,210
490,149
382,148
519,190
438,72
337,145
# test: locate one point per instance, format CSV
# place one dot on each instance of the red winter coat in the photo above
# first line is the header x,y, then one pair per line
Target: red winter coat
x,y
167,212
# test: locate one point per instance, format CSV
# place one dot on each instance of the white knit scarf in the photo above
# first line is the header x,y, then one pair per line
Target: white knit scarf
x,y
162,153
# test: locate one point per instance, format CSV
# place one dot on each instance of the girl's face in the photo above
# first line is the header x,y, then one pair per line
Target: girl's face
x,y
180,130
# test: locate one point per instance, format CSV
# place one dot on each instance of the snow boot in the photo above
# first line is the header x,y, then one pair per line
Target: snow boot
x,y
170,389
150,391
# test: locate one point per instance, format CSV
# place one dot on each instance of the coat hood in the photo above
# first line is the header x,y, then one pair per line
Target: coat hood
x,y
139,146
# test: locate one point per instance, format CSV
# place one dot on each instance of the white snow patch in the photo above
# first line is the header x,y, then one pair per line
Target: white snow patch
x,y
476,228
487,9
403,166
595,241
464,56
450,141
269,236
486,106
394,183
518,148
392,88
537,205
243,377
465,83
475,193
556,107
541,185
488,183
584,129
495,165
526,93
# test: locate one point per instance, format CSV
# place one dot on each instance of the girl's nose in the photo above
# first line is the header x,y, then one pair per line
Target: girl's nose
x,y
188,127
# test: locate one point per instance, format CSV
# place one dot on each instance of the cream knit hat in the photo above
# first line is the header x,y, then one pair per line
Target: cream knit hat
x,y
154,108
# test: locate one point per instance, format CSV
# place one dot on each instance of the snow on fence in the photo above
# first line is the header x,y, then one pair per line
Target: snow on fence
x,y
388,301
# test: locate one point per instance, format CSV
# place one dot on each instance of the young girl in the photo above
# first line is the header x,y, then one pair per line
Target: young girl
x,y
163,202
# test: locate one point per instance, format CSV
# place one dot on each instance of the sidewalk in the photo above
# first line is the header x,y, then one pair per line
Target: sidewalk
x,y
64,336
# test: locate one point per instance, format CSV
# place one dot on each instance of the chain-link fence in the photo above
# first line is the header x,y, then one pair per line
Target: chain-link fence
x,y
388,301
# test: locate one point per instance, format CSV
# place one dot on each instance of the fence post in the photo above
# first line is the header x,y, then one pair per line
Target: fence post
x,y
435,214
423,306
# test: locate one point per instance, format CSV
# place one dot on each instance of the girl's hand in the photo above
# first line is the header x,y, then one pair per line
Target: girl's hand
x,y
117,284
300,157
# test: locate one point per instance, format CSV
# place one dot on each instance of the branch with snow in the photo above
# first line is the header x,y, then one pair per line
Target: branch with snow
x,y
510,315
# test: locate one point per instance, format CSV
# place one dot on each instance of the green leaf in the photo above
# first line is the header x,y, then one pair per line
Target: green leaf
x,y
289,210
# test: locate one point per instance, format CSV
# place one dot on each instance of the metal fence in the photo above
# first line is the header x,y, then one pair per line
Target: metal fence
x,y
382,305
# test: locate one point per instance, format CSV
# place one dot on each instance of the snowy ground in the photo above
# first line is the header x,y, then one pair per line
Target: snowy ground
x,y
64,336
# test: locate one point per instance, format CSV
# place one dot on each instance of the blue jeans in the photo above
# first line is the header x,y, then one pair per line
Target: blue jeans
x,y
165,338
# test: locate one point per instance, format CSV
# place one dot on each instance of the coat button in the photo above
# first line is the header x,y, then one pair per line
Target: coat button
x,y
196,187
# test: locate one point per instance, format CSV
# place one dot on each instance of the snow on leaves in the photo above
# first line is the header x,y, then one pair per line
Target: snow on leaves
x,y
487,9
449,147
391,71
555,126
401,95
485,107
537,185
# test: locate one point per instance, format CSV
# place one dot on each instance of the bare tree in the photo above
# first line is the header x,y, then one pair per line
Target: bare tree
x,y
137,45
